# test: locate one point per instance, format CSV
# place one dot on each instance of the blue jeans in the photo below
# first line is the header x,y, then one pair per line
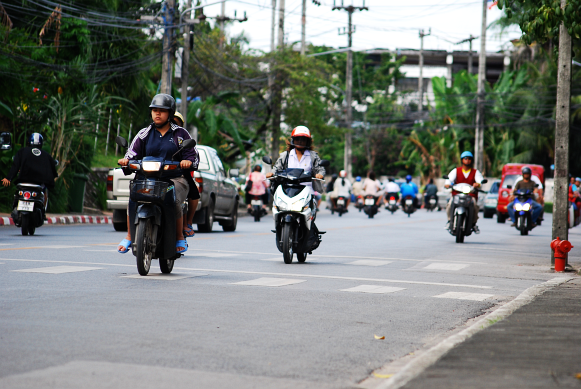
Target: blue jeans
x,y
537,209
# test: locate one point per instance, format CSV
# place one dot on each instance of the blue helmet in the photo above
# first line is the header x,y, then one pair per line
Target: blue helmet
x,y
467,154
358,178
36,140
408,178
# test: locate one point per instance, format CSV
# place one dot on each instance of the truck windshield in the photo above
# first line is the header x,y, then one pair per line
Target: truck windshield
x,y
204,164
494,187
509,179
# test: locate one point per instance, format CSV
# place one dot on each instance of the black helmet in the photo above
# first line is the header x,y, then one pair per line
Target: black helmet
x,y
35,140
526,170
164,101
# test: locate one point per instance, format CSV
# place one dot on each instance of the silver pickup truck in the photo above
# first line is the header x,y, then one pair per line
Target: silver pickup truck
x,y
219,196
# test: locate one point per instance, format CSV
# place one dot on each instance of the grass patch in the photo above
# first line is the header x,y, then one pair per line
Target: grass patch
x,y
548,207
110,160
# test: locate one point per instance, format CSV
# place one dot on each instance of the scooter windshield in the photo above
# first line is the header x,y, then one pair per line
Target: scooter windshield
x,y
293,173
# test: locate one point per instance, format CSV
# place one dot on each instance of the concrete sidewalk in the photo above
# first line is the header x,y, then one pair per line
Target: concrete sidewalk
x,y
538,346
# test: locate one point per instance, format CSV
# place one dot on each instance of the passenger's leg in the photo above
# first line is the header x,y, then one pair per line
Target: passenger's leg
x,y
476,209
181,191
192,206
449,209
128,236
537,209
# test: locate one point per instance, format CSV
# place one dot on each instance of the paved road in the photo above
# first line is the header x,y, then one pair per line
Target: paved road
x,y
74,311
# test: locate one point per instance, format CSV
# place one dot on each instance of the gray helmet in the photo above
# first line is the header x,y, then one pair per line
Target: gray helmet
x,y
526,170
164,101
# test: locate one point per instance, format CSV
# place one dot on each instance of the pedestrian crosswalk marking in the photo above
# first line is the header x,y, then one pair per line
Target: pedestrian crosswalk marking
x,y
58,269
373,289
464,296
369,262
265,281
165,277
446,266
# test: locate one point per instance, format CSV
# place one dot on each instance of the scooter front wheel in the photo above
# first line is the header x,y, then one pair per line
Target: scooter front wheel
x,y
142,241
523,225
460,229
287,243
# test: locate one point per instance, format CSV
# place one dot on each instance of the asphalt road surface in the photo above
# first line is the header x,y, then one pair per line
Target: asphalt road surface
x,y
75,313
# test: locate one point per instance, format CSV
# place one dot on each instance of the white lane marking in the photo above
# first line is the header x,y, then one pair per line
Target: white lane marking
x,y
6,244
267,273
344,256
277,259
102,251
215,255
338,278
369,262
56,246
58,269
265,281
464,296
373,289
165,277
446,266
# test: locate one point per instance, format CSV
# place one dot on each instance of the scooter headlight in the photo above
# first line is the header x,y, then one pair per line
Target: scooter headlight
x,y
466,190
150,166
281,205
518,207
298,206
526,207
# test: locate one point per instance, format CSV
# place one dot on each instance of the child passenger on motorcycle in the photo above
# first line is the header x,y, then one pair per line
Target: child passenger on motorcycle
x,y
162,139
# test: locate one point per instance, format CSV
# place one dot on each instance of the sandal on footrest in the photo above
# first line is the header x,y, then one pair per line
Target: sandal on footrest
x,y
183,244
189,233
125,243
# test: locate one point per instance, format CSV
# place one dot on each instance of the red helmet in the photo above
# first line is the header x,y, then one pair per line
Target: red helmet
x,y
301,131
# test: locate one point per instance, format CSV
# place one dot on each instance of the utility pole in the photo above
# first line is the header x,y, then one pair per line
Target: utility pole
x,y
271,88
277,89
349,81
166,63
223,17
561,193
185,66
480,101
303,27
421,62
469,40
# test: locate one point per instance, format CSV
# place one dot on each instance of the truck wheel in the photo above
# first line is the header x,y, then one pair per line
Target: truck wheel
x,y
488,213
120,215
209,219
231,226
500,218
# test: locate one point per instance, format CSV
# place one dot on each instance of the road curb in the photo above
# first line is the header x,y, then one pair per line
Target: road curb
x,y
72,219
415,367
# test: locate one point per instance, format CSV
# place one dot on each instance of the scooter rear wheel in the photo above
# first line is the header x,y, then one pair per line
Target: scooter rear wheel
x,y
301,257
287,243
166,265
24,223
142,240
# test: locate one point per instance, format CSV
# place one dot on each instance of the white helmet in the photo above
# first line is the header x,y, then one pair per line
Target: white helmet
x,y
343,174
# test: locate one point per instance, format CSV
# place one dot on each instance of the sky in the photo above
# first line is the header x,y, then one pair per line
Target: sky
x,y
388,24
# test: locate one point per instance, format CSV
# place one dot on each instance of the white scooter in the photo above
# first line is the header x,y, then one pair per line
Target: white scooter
x,y
294,212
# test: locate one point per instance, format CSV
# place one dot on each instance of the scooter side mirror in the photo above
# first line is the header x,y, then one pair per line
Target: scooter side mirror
x,y
233,172
509,187
56,162
536,185
484,181
445,176
325,163
188,144
5,141
121,142
267,160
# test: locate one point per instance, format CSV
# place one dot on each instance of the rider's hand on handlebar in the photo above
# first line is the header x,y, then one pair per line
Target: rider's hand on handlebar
x,y
447,186
476,185
319,176
185,164
123,162
268,175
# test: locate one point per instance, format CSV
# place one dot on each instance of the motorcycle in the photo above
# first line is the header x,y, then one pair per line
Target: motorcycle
x,y
257,210
370,206
341,207
152,210
391,202
360,203
294,213
431,203
523,211
462,211
28,208
408,205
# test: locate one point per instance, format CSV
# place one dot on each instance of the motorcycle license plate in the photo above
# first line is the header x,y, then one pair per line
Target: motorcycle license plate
x,y
369,201
25,206
409,202
392,202
432,201
340,202
256,202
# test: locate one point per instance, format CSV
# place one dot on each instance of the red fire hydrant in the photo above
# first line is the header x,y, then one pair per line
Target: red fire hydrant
x,y
561,248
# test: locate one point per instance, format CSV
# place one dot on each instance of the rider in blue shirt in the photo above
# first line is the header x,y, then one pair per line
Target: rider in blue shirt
x,y
409,189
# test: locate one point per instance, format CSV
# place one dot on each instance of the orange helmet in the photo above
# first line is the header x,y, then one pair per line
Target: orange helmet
x,y
301,131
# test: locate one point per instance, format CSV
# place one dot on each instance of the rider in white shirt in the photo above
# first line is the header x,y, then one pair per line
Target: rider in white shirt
x,y
342,188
